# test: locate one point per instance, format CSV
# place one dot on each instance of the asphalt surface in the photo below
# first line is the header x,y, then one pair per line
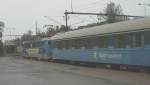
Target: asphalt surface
x,y
26,72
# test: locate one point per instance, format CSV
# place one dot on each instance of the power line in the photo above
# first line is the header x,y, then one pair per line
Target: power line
x,y
12,35
102,14
144,5
89,6
82,5
53,20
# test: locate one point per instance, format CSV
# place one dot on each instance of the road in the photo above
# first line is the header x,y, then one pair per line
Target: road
x,y
27,72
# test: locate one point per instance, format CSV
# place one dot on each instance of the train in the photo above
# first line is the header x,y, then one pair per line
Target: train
x,y
123,45
37,49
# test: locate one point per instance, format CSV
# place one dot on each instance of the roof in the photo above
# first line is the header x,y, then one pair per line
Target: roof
x,y
9,43
44,39
41,39
130,25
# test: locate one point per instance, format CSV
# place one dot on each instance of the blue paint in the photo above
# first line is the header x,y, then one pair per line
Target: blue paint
x,y
129,56
45,50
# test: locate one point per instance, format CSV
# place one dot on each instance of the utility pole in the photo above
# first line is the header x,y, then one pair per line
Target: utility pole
x,y
71,6
36,27
66,15
144,5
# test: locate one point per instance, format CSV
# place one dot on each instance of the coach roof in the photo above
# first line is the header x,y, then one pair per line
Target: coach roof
x,y
124,26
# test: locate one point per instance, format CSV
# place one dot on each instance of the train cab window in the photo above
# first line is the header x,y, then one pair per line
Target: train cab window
x,y
35,44
26,45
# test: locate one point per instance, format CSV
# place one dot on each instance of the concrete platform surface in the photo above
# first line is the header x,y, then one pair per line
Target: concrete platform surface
x,y
28,72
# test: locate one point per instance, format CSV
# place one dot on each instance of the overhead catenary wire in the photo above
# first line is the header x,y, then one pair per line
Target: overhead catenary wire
x,y
55,21
88,6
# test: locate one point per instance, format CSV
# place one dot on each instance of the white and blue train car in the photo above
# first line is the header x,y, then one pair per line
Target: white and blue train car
x,y
37,49
124,44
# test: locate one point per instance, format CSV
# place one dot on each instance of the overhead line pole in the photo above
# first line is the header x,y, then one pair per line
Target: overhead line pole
x,y
66,15
80,13
36,28
144,5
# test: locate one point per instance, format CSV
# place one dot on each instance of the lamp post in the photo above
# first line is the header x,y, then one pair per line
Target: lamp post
x,y
144,5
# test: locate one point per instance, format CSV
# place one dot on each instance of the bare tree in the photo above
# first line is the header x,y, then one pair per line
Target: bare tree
x,y
112,10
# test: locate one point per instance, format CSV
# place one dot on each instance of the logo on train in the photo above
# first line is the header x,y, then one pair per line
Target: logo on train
x,y
100,55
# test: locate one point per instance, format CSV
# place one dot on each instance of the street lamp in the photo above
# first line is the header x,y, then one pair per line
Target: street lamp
x,y
144,5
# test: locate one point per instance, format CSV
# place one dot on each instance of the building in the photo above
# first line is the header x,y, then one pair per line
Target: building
x,y
2,25
10,46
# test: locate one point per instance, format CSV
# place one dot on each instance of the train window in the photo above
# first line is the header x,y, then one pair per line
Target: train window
x,y
103,42
56,44
78,43
138,40
1,34
60,45
49,42
134,40
129,40
94,41
87,43
84,43
146,37
67,44
64,44
35,44
73,43
110,41
26,45
120,41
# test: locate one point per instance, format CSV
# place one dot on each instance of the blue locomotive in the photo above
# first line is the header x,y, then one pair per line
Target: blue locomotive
x,y
123,44
37,49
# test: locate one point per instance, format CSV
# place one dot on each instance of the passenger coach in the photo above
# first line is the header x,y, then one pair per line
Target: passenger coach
x,y
123,44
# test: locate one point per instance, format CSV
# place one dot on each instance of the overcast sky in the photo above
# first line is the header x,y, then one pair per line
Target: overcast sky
x,y
22,14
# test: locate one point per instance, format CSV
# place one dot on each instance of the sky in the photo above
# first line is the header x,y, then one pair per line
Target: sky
x,y
20,15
